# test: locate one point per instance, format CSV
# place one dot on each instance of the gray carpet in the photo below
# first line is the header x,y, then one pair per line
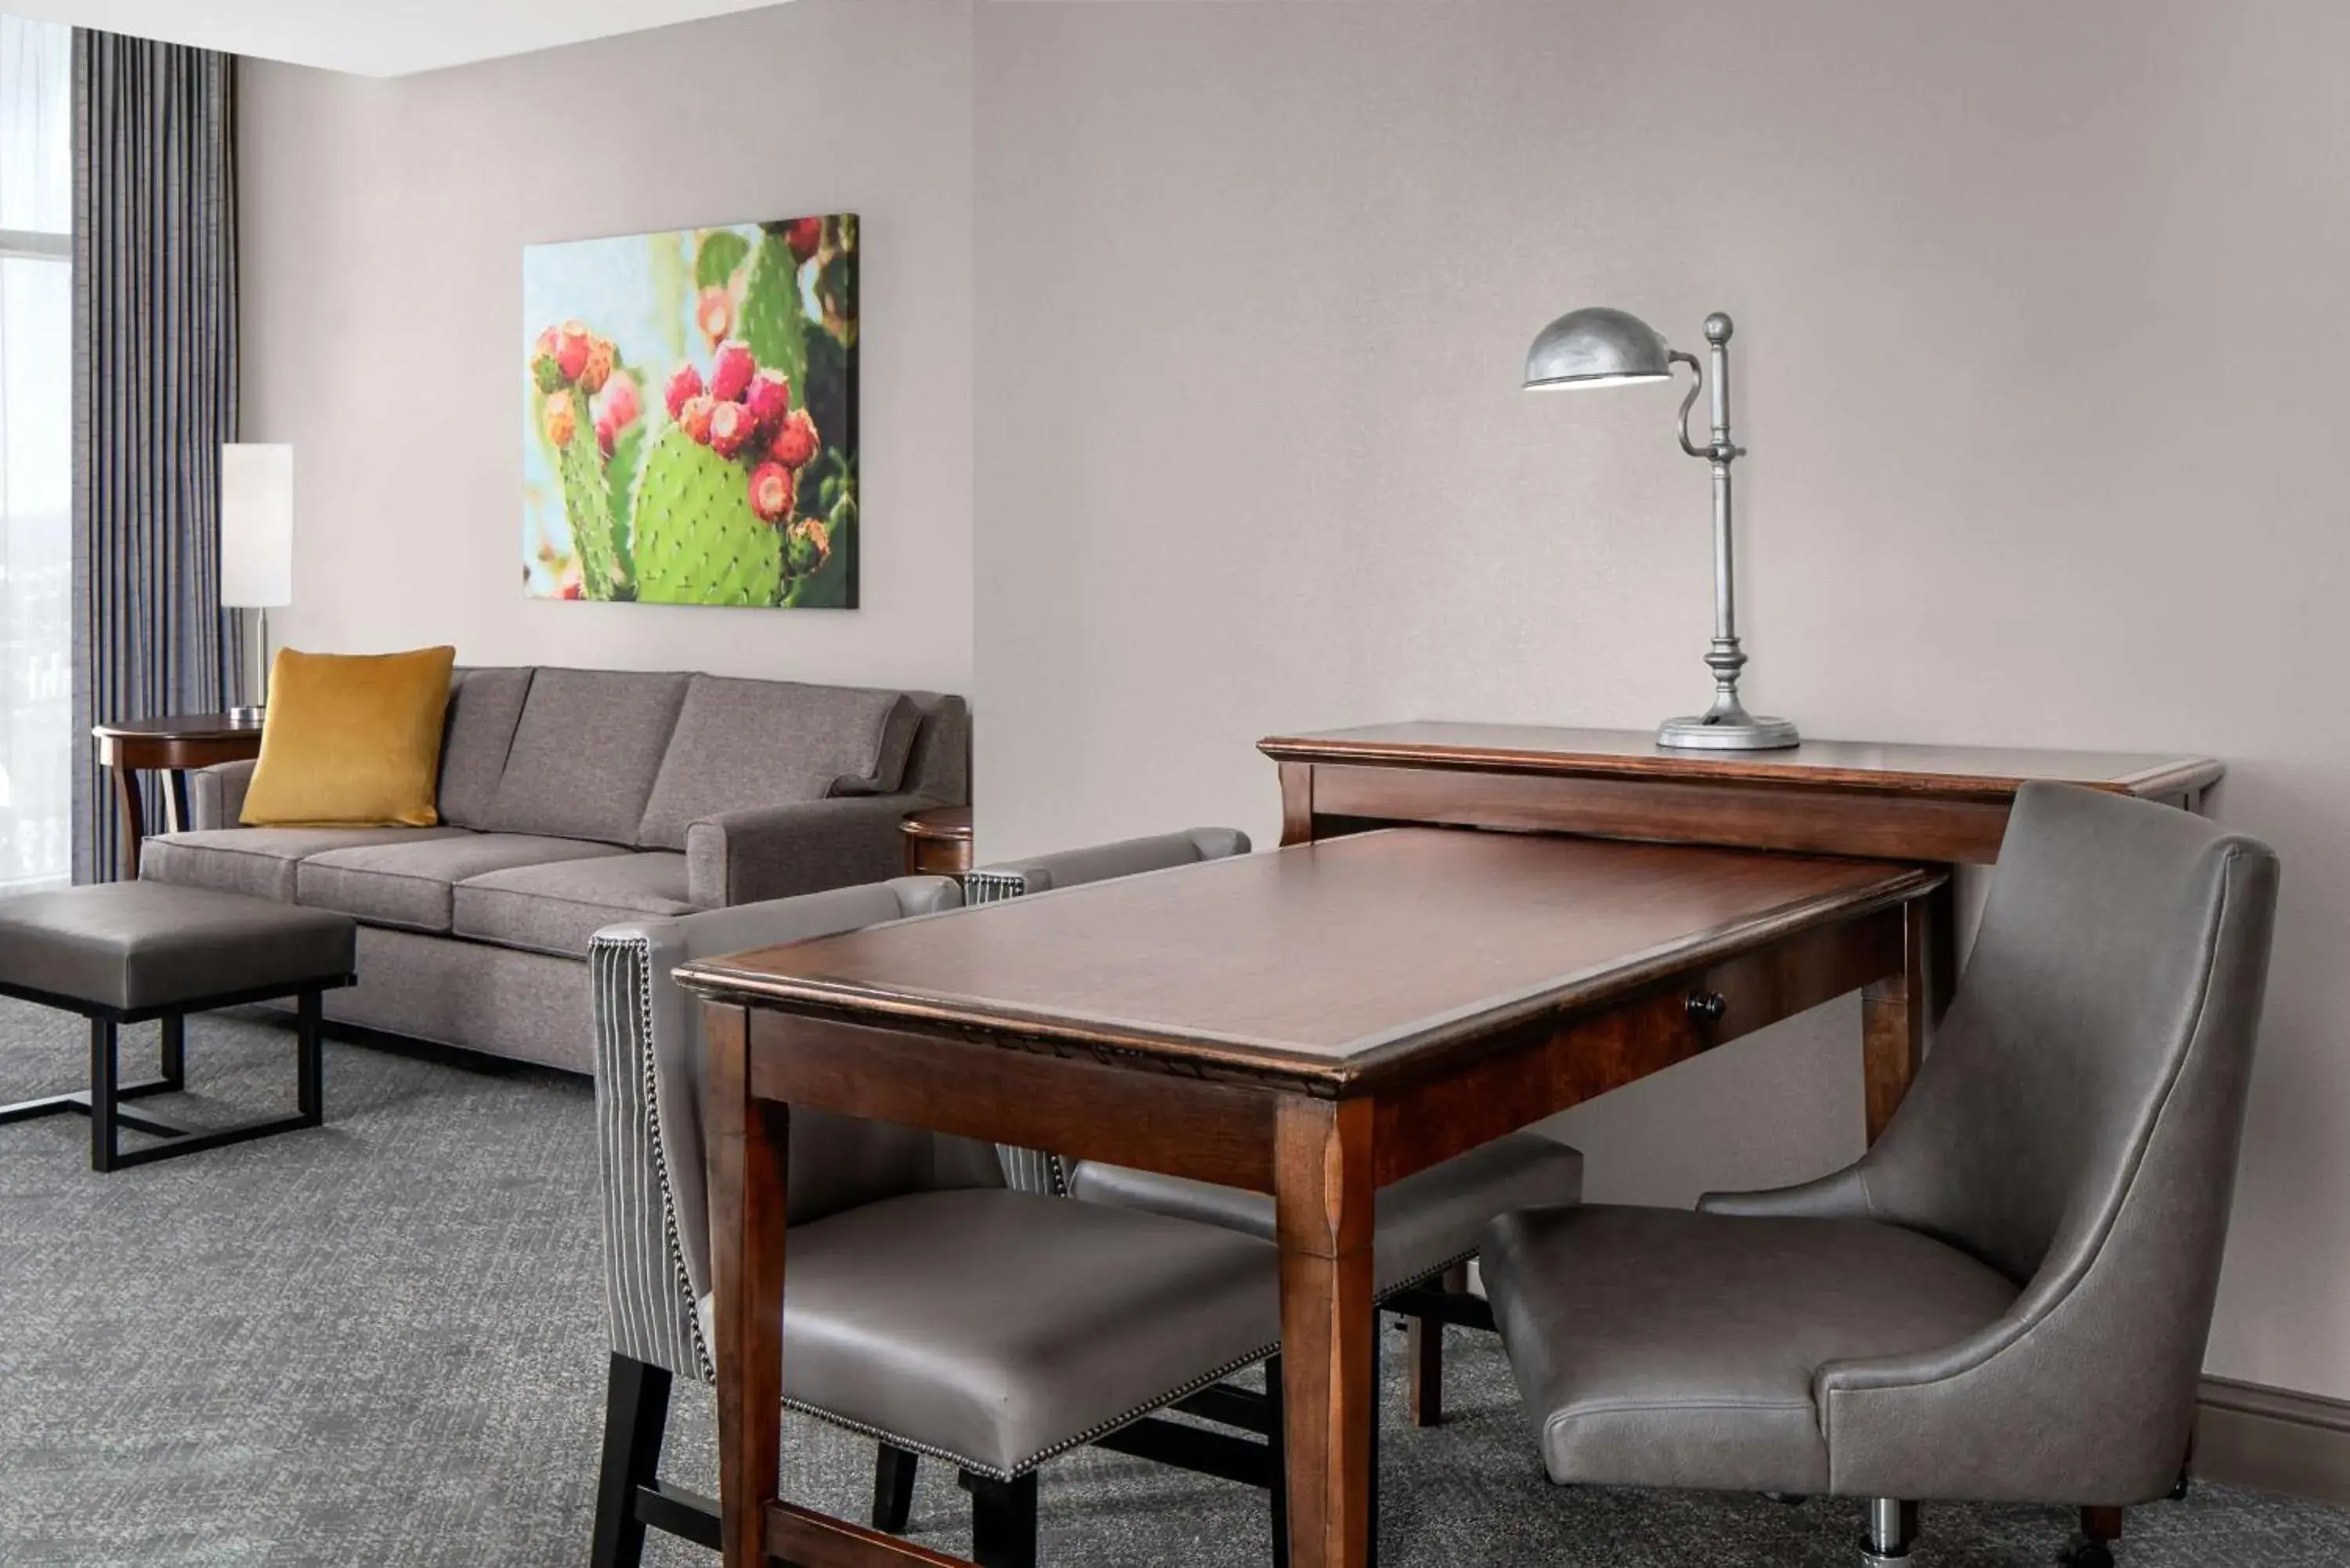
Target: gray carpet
x,y
381,1344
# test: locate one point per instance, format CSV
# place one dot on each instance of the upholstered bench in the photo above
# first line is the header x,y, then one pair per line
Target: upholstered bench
x,y
123,952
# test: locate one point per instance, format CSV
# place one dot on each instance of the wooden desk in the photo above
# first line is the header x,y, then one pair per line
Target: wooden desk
x,y
1314,1023
1945,804
172,746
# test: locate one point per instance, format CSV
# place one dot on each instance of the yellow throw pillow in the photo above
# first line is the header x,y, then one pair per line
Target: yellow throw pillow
x,y
351,741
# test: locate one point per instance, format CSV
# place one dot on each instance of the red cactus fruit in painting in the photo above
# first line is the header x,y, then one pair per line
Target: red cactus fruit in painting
x,y
730,371
605,433
557,418
804,235
769,399
772,492
598,368
795,439
715,312
622,402
695,417
546,344
731,428
571,346
684,388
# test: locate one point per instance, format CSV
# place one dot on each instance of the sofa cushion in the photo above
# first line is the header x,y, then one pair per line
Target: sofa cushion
x,y
484,706
556,908
261,860
410,885
585,754
745,743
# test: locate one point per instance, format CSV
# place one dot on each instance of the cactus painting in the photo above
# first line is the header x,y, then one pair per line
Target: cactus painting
x,y
690,417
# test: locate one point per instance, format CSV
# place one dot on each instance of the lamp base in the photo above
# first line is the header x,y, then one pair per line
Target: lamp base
x,y
1745,733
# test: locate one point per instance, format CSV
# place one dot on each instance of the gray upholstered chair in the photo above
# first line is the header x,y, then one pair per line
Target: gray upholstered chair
x,y
1428,1224
2006,1299
929,1305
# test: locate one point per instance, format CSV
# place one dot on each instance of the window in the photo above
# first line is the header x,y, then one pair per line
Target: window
x,y
35,452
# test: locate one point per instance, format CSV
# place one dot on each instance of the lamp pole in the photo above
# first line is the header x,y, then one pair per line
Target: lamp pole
x,y
1726,725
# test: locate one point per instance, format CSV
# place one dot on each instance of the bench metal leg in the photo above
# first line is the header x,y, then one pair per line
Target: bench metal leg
x,y
310,1069
104,1101
101,1094
174,1057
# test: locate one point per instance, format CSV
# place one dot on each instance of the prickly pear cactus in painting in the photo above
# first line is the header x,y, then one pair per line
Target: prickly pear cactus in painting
x,y
775,321
693,427
697,539
588,500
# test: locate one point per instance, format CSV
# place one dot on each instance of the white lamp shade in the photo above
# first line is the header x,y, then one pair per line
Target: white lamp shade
x,y
256,527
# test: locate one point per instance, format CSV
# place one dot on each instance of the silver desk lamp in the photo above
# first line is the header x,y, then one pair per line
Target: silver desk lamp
x,y
1602,347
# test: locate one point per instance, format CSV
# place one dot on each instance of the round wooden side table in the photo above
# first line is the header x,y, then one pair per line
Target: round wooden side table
x,y
938,841
172,746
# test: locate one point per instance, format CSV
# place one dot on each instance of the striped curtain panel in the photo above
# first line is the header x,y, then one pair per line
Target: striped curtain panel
x,y
155,339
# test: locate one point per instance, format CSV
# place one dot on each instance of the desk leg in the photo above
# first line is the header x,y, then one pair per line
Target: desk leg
x,y
134,818
748,1140
1321,1206
1894,1011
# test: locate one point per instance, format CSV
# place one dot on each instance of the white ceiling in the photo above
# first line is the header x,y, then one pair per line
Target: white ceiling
x,y
376,37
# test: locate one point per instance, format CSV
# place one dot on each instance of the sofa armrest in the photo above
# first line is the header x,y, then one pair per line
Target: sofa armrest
x,y
780,851
216,795
649,1100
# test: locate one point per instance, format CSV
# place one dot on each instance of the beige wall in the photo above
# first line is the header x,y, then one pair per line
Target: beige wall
x,y
383,230
2039,310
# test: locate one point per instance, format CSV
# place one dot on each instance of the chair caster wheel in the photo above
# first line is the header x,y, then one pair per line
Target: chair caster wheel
x,y
2088,1554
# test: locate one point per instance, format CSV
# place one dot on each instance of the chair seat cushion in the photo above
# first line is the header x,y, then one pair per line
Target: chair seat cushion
x,y
261,861
996,1328
1425,1221
1654,1347
130,946
557,908
412,885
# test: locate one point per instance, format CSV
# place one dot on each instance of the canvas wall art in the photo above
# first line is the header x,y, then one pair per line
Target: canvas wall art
x,y
689,416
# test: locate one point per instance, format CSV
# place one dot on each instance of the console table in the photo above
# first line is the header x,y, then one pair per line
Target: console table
x,y
1942,806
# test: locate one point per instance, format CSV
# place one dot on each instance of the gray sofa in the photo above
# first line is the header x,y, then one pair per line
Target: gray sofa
x,y
572,799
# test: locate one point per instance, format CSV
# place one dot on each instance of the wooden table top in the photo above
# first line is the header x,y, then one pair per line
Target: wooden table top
x,y
1327,961
178,727
1977,771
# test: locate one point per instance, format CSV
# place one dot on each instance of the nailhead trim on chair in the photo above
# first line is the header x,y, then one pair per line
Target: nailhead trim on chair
x,y
1089,1435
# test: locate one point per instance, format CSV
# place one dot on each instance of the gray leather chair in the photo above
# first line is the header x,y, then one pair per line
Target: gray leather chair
x,y
1428,1224
929,1305
2006,1299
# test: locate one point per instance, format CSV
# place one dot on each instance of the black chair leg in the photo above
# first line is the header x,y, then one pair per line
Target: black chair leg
x,y
636,1416
2100,1528
1002,1520
1371,1543
1277,1438
893,1488
102,1086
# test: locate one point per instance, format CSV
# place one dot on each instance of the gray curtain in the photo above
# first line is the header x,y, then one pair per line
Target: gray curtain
x,y
154,397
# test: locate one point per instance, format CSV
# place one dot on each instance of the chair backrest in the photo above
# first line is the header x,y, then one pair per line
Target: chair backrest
x,y
2097,1056
1126,858
1034,1170
649,1094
